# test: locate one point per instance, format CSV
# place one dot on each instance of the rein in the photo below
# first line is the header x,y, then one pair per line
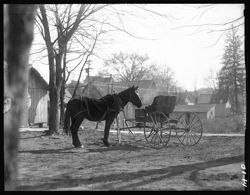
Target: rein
x,y
115,97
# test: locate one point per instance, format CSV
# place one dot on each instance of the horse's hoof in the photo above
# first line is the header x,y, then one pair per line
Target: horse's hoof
x,y
106,143
81,149
78,146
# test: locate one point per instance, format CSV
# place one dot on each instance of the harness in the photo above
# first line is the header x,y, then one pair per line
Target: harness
x,y
116,98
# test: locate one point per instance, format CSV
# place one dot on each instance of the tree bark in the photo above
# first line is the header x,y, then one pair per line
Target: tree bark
x,y
54,110
62,93
18,34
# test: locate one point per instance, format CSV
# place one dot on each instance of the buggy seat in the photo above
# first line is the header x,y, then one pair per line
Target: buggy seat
x,y
163,104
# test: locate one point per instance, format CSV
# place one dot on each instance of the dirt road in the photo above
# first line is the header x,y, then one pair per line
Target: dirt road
x,y
51,163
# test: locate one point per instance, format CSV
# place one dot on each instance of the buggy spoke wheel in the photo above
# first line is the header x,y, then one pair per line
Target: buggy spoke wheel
x,y
157,130
189,129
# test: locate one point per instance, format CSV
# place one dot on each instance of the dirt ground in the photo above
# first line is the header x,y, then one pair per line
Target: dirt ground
x,y
51,163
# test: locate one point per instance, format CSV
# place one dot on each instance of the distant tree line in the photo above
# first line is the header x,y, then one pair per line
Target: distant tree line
x,y
129,67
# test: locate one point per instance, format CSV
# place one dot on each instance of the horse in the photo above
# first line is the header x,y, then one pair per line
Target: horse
x,y
106,108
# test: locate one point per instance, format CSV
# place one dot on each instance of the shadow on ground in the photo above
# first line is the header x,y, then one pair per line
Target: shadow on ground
x,y
153,175
114,147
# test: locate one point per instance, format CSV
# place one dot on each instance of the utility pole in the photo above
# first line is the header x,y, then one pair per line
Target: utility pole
x,y
87,71
111,79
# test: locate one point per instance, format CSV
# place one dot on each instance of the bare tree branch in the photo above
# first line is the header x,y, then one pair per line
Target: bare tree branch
x,y
218,39
209,24
39,51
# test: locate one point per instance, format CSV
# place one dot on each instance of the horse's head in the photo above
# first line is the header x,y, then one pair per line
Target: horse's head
x,y
134,97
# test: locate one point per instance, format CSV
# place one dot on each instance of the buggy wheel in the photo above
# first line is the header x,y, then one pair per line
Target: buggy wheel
x,y
189,129
157,130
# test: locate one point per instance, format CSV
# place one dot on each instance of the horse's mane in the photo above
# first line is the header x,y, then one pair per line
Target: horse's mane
x,y
125,91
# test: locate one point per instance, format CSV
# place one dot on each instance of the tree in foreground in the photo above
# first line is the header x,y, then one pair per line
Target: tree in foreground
x,y
18,37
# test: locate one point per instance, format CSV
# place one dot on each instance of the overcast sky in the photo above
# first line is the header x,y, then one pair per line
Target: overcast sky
x,y
191,52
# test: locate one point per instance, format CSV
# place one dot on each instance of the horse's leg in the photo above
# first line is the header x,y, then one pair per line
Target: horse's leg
x,y
76,122
106,131
96,127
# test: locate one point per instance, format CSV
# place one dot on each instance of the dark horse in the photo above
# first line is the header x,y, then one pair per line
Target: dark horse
x,y
107,108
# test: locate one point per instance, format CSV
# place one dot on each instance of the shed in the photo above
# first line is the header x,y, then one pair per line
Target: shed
x,y
39,98
204,111
37,105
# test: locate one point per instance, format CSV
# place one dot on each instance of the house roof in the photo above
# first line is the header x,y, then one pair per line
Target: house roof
x,y
204,98
35,72
100,79
38,75
201,108
141,83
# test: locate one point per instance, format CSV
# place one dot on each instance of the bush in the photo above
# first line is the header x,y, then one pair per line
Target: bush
x,y
232,124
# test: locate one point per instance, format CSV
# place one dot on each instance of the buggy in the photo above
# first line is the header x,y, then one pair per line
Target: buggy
x,y
158,126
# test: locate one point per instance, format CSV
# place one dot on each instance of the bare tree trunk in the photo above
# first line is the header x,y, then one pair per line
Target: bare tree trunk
x,y
62,93
236,97
54,111
54,94
18,36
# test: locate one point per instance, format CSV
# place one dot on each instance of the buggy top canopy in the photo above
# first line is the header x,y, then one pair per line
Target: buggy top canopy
x,y
163,104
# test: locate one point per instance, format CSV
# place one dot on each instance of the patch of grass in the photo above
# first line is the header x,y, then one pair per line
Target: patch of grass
x,y
231,124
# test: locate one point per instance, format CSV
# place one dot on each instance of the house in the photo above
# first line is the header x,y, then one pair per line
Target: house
x,y
190,99
71,87
206,105
101,85
93,87
204,99
98,80
223,105
92,91
37,100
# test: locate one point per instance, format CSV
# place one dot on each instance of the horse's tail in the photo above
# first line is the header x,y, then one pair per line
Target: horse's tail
x,y
66,121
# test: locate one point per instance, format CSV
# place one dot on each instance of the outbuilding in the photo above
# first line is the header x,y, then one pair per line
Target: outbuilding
x,y
36,110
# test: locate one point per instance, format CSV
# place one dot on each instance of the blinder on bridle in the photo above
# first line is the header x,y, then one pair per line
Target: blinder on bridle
x,y
136,91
